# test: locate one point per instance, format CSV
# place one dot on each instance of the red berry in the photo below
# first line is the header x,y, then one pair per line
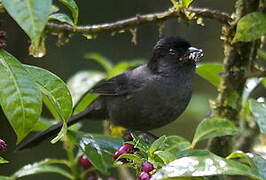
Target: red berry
x,y
144,176
125,147
3,145
147,166
119,153
85,162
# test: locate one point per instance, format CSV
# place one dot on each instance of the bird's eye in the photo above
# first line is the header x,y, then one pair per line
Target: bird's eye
x,y
172,52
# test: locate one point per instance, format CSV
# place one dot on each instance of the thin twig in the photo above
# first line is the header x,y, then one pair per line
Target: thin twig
x,y
133,22
255,74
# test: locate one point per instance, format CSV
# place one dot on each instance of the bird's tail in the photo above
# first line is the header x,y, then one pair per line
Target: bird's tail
x,y
53,130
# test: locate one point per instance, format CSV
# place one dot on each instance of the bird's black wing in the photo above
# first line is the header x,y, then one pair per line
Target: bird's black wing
x,y
116,86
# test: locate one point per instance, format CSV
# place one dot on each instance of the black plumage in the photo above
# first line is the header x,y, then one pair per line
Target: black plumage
x,y
147,97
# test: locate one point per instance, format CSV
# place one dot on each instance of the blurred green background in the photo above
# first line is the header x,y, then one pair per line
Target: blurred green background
x,y
67,60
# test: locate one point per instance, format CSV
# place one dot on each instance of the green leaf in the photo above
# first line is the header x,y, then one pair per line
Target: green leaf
x,y
165,156
81,82
71,4
63,18
132,157
84,102
158,144
101,60
213,128
3,161
57,96
42,124
175,144
123,66
254,161
186,3
5,178
200,163
61,134
263,82
41,167
258,110
98,148
250,85
250,27
211,72
261,53
20,97
31,15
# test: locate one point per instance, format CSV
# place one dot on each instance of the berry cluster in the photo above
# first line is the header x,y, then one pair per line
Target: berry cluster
x,y
146,167
86,164
3,145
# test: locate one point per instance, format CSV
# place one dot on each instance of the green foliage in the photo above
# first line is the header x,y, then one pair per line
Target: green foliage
x,y
98,148
258,110
31,16
250,27
213,128
3,161
20,97
56,94
181,3
73,7
200,163
63,18
211,72
45,166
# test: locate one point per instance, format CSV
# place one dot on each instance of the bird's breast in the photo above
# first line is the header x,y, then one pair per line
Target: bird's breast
x,y
158,102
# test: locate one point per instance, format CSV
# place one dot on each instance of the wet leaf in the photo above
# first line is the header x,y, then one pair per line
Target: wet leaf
x,y
214,127
30,15
20,97
57,96
200,163
250,27
40,168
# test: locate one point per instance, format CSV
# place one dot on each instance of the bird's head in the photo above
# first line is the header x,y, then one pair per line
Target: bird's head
x,y
177,49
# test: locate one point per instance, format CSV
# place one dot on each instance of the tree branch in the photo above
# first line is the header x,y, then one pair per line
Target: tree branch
x,y
133,22
255,74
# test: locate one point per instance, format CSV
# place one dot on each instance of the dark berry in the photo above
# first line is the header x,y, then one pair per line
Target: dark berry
x,y
125,147
144,176
93,175
122,150
85,162
3,145
119,153
147,167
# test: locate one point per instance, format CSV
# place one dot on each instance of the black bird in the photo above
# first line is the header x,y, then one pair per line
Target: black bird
x,y
147,97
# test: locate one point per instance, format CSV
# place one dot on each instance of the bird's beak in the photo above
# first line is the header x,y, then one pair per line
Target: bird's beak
x,y
194,53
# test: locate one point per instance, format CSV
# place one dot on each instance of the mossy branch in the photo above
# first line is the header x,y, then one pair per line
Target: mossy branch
x,y
138,20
